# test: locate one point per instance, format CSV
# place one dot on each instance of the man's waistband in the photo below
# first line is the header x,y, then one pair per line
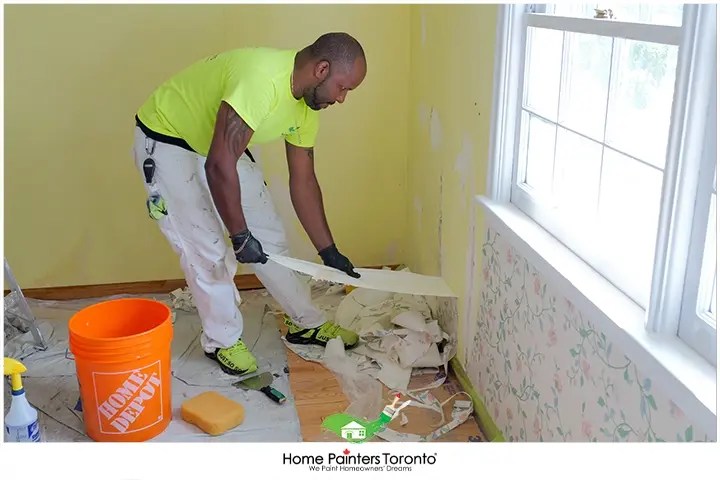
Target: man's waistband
x,y
178,142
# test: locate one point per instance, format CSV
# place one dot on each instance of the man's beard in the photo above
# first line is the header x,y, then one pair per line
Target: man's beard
x,y
314,100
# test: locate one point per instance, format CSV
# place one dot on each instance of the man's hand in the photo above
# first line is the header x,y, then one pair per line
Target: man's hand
x,y
247,248
332,258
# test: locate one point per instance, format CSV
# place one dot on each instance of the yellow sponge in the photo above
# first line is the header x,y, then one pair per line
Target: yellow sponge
x,y
213,413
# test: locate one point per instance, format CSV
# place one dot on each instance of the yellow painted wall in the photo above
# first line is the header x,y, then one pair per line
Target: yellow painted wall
x,y
74,77
450,103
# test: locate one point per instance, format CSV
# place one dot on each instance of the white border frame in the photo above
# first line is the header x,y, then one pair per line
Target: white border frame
x,y
653,345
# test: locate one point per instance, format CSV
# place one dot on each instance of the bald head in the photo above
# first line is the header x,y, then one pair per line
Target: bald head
x,y
328,68
340,49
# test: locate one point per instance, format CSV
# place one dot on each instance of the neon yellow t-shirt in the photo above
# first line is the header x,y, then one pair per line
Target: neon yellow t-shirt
x,y
254,81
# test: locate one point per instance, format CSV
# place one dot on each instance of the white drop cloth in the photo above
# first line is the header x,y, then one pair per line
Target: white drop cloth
x,y
51,384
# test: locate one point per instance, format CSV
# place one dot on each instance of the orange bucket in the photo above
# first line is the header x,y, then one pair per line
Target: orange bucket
x,y
122,358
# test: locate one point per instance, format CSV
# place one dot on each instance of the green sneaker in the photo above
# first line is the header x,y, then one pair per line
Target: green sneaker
x,y
236,360
319,335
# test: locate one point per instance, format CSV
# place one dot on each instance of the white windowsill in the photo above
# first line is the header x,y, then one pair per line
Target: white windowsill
x,y
684,376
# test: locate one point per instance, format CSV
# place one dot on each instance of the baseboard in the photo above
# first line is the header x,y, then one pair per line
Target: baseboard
x,y
77,292
484,420
244,282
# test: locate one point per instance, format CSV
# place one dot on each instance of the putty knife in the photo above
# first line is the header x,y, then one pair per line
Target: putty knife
x,y
262,383
256,373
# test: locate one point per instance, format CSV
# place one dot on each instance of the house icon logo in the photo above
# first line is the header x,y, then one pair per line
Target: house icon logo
x,y
349,428
353,431
357,430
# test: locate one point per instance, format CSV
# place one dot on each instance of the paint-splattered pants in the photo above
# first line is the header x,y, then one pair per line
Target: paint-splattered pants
x,y
196,233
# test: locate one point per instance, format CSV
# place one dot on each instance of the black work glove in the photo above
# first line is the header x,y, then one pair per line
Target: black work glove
x,y
247,248
332,258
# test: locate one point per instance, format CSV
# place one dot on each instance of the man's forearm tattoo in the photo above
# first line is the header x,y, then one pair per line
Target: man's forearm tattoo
x,y
236,131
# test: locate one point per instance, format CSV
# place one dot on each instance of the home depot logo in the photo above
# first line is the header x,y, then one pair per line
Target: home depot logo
x,y
131,401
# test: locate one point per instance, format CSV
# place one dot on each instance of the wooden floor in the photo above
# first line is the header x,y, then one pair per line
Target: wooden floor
x,y
318,394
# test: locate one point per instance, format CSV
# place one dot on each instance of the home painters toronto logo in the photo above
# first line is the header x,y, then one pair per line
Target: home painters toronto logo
x,y
356,462
355,430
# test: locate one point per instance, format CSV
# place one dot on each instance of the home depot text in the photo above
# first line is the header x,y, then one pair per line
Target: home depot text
x,y
125,405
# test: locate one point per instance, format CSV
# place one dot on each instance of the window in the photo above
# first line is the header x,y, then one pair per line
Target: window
x,y
607,139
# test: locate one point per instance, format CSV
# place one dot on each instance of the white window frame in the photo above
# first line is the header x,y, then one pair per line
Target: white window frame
x,y
522,195
673,339
695,327
686,190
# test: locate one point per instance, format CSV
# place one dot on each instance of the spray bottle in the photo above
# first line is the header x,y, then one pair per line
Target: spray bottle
x,y
21,422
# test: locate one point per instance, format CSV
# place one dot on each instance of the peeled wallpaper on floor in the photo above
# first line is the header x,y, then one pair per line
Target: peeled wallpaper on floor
x,y
547,374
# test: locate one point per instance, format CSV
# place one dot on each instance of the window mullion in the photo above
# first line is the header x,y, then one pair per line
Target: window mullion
x,y
696,59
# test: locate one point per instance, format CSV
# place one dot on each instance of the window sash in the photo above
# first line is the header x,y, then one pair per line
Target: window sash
x,y
643,32
594,255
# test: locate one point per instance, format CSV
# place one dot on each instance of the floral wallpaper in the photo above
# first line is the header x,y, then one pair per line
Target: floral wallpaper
x,y
547,374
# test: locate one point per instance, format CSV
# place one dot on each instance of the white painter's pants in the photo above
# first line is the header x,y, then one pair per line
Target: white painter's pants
x,y
196,233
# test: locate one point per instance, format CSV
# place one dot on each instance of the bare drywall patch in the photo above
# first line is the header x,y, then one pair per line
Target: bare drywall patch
x,y
423,28
470,275
417,202
463,163
441,252
435,129
391,254
423,114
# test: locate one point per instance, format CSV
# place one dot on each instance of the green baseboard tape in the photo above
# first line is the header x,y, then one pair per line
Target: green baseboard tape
x,y
485,421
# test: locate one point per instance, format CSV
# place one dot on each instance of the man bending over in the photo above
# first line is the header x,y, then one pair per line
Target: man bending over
x,y
191,145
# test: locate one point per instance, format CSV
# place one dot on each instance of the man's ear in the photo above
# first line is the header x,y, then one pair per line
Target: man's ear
x,y
322,69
